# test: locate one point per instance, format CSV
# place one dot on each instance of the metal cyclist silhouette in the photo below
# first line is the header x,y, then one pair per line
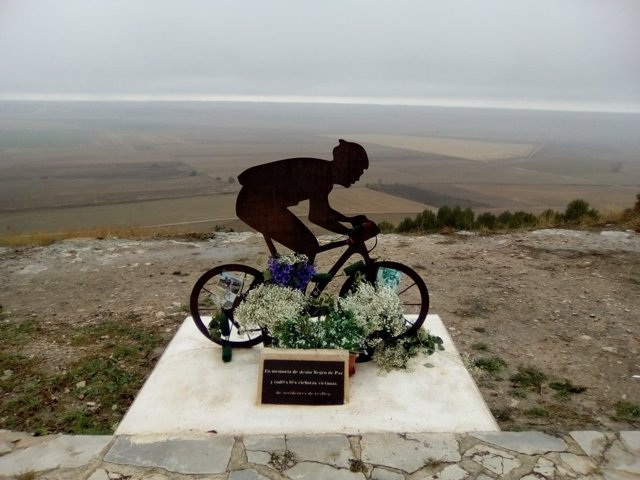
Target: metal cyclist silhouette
x,y
263,203
268,190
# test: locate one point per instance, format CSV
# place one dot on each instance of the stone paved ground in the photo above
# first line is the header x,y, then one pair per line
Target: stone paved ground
x,y
372,456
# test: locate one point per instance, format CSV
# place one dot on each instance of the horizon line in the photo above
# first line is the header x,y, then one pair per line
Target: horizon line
x,y
489,103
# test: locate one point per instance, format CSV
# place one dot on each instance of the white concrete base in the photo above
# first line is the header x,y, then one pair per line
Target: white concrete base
x,y
192,391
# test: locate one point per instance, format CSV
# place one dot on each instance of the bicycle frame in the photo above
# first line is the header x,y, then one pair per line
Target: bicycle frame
x,y
354,243
354,248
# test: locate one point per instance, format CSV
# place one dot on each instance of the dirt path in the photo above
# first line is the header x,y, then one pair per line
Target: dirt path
x,y
565,303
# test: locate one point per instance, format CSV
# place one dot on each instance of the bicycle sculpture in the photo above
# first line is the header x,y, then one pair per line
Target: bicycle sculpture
x,y
267,192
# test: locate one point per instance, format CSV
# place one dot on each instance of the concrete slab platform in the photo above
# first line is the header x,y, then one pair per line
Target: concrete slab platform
x,y
192,391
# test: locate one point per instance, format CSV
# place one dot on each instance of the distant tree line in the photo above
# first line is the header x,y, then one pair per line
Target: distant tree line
x,y
419,194
578,212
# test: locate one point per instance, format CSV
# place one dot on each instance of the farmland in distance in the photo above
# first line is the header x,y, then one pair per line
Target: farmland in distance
x,y
73,166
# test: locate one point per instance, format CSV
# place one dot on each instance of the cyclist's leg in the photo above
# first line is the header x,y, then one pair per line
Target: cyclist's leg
x,y
294,234
277,222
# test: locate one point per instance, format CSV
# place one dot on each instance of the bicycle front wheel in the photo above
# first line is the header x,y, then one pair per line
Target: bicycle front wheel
x,y
214,298
407,284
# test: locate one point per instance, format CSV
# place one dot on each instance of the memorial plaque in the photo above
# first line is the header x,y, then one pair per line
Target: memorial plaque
x,y
303,377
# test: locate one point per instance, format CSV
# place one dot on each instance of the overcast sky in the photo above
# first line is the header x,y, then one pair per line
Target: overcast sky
x,y
565,52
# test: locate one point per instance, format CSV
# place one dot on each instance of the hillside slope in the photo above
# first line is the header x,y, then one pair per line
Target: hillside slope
x,y
563,302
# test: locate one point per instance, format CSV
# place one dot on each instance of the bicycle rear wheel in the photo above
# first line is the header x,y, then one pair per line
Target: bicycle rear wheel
x,y
214,298
407,284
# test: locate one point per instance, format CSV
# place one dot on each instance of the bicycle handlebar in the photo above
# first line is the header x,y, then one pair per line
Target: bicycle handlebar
x,y
363,231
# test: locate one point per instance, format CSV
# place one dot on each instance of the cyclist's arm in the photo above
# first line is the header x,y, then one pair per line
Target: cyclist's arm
x,y
321,213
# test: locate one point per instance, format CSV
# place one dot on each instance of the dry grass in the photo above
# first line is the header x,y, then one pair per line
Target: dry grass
x,y
42,239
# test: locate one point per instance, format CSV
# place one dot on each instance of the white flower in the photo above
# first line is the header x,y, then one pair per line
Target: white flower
x,y
268,305
292,258
377,309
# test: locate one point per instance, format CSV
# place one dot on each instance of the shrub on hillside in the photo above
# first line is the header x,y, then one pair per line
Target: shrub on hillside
x,y
549,218
487,221
504,218
427,221
522,219
631,216
447,219
386,227
455,217
578,211
407,225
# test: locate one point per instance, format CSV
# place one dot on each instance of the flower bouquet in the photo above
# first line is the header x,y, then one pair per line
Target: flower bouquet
x,y
379,312
285,319
283,312
290,270
335,330
269,305
369,321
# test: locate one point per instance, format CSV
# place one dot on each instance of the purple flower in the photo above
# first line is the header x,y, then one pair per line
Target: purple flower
x,y
305,273
295,275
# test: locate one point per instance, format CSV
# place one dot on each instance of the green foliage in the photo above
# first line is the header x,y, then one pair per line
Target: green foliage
x,y
550,218
502,414
424,340
14,362
487,220
386,227
537,412
504,218
627,411
110,330
407,225
565,388
87,396
480,346
426,221
522,220
17,333
395,353
338,329
82,422
518,393
492,365
578,211
455,218
529,377
631,216
445,216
